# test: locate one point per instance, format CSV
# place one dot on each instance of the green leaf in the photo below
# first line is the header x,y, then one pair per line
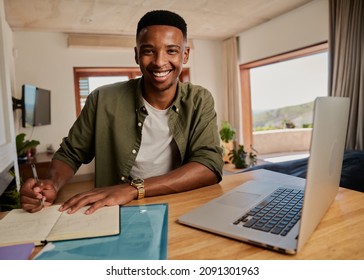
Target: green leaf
x,y
23,145
227,133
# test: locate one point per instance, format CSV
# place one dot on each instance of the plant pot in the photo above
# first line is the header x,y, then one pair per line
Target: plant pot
x,y
226,148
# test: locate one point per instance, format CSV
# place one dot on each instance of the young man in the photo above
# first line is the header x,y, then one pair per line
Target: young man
x,y
149,136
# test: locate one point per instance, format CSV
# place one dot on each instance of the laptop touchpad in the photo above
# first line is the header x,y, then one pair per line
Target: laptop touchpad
x,y
239,199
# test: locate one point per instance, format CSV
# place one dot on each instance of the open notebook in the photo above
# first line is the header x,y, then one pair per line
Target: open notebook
x,y
281,217
49,224
144,236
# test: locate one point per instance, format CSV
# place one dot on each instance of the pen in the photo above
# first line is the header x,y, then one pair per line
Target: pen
x,y
35,175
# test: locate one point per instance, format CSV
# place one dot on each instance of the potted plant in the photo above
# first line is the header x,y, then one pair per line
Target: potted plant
x,y
227,135
243,159
25,148
10,198
253,156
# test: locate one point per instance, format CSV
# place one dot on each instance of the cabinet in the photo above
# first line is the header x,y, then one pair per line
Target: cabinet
x,y
42,162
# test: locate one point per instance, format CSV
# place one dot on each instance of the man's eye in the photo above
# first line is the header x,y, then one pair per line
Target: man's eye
x,y
147,52
172,51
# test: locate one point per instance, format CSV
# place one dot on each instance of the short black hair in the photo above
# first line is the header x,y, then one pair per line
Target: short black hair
x,y
162,17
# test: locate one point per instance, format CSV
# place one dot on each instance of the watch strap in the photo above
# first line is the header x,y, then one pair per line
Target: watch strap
x,y
139,185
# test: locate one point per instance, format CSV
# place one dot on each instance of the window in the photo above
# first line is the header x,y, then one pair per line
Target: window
x,y
88,79
274,85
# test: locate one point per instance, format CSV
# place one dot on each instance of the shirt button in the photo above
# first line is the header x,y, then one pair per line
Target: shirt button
x,y
122,178
140,124
133,151
177,110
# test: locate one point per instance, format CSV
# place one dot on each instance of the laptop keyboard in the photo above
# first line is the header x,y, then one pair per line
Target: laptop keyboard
x,y
276,214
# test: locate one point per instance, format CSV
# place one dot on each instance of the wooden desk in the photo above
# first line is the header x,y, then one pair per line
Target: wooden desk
x,y
339,235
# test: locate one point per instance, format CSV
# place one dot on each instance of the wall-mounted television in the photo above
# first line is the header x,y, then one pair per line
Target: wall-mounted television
x,y
35,105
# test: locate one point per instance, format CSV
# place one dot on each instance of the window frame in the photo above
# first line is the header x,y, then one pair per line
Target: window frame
x,y
244,69
85,72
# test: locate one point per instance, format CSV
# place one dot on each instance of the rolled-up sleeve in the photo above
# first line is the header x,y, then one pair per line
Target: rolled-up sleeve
x,y
79,146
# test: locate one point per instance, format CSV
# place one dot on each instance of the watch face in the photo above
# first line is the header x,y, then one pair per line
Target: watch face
x,y
137,181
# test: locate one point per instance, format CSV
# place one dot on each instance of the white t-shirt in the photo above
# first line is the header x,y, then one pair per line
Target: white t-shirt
x,y
158,153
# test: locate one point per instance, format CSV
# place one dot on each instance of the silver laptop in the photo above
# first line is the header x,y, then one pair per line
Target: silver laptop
x,y
256,211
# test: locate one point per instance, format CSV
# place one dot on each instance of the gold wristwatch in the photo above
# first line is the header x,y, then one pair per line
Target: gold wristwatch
x,y
139,185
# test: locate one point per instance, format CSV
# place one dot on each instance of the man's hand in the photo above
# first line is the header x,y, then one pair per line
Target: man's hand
x,y
32,193
99,197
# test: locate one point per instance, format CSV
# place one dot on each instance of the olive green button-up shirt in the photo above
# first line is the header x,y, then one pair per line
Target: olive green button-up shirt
x,y
110,125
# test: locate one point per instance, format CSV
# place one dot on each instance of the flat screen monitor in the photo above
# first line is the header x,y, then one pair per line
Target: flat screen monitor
x,y
36,106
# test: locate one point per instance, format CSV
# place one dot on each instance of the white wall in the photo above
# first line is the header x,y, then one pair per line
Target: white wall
x,y
206,65
44,60
299,28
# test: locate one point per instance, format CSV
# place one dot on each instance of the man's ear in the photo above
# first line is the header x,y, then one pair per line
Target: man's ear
x,y
186,55
136,57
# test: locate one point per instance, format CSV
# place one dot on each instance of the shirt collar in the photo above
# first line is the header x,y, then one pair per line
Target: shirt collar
x,y
139,100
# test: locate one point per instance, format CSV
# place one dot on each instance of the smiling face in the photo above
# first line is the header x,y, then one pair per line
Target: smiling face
x,y
161,52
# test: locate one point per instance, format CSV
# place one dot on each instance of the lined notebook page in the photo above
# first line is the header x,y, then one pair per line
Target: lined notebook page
x,y
19,226
104,221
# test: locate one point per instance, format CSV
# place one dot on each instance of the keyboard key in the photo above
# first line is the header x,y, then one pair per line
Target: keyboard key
x,y
278,213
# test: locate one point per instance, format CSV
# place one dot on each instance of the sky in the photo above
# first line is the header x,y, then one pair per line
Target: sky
x,y
289,83
95,82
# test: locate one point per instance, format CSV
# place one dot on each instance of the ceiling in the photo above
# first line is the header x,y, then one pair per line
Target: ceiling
x,y
206,19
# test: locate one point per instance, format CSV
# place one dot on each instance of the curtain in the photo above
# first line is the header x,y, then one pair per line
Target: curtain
x,y
346,63
231,85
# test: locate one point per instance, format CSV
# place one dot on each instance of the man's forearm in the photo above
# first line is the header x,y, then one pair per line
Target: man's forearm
x,y
59,173
190,176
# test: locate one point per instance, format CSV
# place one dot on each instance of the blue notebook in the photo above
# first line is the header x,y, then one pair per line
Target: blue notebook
x,y
143,236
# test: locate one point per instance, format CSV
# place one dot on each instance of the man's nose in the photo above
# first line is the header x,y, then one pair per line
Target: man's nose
x,y
160,58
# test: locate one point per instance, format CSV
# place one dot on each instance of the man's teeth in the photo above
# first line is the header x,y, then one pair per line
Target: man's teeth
x,y
160,74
